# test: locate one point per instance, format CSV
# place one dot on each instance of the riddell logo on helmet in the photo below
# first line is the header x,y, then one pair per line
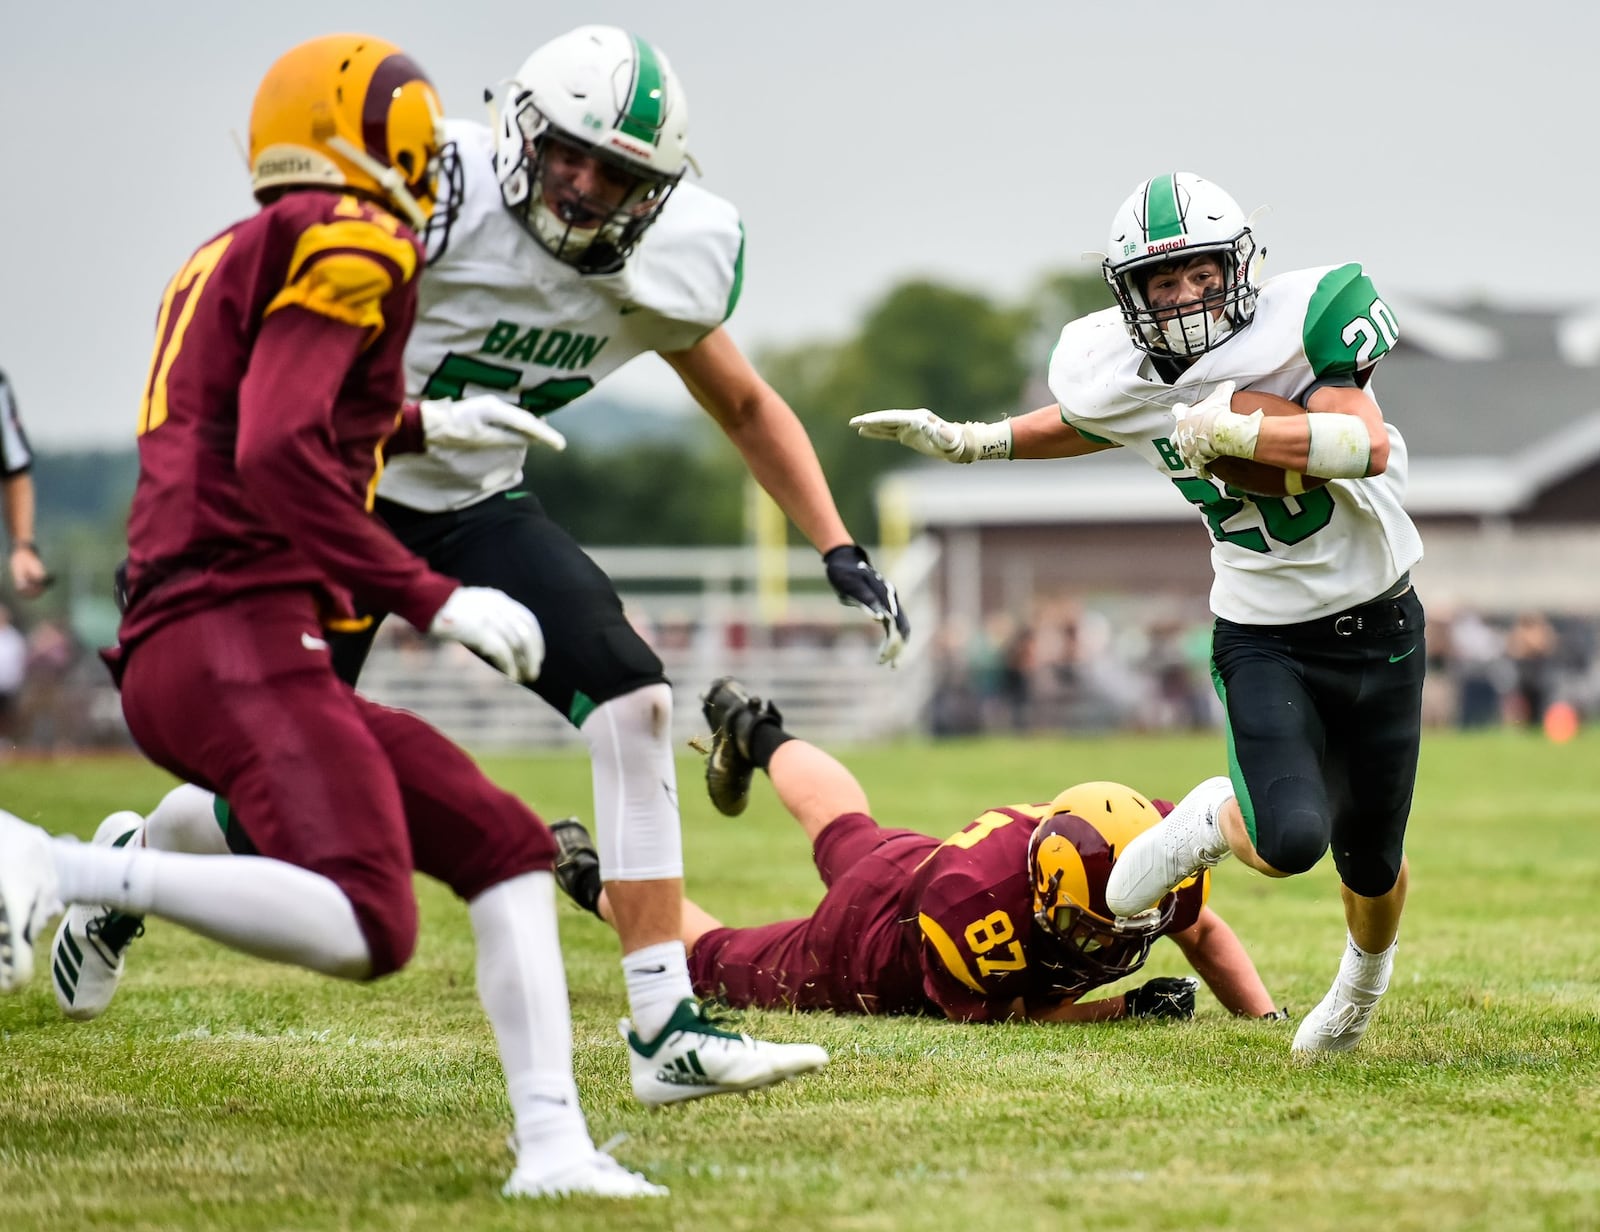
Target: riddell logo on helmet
x,y
638,151
1168,246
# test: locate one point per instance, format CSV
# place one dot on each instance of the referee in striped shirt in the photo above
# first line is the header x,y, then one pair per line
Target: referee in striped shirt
x,y
28,574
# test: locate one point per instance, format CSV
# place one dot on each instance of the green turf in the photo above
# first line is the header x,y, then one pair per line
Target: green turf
x,y
221,1092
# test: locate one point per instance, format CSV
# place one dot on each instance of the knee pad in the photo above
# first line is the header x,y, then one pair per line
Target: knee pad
x,y
1292,831
635,786
1369,873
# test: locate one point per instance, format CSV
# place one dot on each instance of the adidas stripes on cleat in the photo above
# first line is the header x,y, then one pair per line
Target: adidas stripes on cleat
x,y
693,1057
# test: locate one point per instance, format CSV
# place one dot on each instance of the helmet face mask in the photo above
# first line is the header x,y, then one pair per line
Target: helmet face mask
x,y
1070,857
592,140
350,112
1173,220
450,186
594,231
1089,945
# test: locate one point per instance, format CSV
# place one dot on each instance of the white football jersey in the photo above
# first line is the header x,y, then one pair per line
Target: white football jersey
x,y
498,314
1277,560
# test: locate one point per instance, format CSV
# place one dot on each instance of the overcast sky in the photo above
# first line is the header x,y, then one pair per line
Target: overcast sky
x,y
1451,148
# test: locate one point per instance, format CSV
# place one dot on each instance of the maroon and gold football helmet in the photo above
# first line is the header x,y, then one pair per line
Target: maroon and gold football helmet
x,y
1070,856
349,111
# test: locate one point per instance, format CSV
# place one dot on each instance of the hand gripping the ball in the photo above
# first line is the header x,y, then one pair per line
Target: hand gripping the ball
x,y
1209,429
484,422
1169,996
925,432
494,626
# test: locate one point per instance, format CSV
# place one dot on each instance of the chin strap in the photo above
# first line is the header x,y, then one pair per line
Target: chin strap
x,y
389,179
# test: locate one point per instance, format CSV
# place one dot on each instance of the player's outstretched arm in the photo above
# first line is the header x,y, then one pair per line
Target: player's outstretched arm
x,y
925,432
765,431
774,445
1039,434
1220,960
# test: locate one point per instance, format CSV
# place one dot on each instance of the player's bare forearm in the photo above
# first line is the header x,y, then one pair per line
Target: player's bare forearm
x,y
19,507
766,432
1044,434
1285,440
1219,959
778,452
1105,1009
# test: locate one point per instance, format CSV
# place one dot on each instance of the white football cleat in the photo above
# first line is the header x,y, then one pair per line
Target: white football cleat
x,y
29,898
86,958
1340,1019
693,1057
1187,840
1336,1024
596,1175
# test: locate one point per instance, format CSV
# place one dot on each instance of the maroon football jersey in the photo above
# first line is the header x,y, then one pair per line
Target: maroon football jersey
x,y
275,380
975,937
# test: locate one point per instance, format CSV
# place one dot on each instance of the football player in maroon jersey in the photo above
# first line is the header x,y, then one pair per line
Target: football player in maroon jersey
x,y
1005,919
275,381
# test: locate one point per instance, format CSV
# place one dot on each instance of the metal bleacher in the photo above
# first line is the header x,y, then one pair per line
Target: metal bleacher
x,y
768,619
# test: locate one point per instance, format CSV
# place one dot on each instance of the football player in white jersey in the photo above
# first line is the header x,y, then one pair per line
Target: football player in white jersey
x,y
1318,651
577,246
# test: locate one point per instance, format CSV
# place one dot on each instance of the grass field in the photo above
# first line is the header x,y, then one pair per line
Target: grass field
x,y
220,1092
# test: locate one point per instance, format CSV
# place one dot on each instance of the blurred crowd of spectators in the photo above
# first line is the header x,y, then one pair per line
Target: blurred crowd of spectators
x,y
1065,666
53,691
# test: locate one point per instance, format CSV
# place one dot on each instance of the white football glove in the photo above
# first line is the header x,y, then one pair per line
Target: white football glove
x,y
925,432
1209,429
484,422
495,626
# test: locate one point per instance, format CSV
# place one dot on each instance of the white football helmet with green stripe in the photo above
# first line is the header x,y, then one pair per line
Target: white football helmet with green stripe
x,y
1176,217
609,94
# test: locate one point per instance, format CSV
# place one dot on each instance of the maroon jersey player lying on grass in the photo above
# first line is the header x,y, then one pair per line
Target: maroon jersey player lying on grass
x,y
1005,919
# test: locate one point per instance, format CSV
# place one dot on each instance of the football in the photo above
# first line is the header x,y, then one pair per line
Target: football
x,y
1248,475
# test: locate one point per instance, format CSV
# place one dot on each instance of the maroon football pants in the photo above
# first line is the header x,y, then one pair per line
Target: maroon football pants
x,y
242,699
851,955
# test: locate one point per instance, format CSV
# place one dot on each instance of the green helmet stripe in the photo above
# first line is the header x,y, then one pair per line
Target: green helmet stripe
x,y
643,116
1162,221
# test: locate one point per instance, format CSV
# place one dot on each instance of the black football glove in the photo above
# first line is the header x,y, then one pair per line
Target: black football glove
x,y
858,584
1169,996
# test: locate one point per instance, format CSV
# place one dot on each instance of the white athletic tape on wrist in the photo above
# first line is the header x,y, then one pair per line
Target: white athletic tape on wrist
x,y
1236,435
990,441
1340,447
